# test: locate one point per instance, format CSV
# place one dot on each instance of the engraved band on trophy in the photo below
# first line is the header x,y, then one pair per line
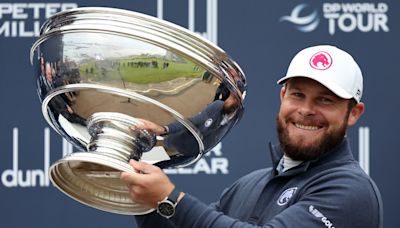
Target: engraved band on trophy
x,y
103,74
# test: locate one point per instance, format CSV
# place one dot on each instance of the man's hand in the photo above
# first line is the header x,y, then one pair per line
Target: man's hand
x,y
148,125
148,184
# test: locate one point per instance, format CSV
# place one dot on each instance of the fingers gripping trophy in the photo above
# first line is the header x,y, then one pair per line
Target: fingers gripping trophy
x,y
121,85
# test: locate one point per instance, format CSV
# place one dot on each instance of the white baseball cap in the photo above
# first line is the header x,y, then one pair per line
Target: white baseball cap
x,y
330,66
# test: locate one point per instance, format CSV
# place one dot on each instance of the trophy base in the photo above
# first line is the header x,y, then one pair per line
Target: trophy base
x,y
94,179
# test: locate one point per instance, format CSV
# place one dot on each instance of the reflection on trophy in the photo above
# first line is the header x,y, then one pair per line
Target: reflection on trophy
x,y
121,85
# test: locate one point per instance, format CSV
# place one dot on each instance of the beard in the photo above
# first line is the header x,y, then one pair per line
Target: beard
x,y
294,149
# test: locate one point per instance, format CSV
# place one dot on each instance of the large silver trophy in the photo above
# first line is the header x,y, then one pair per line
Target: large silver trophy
x,y
121,85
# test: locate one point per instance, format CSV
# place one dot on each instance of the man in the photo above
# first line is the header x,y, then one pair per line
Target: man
x,y
315,181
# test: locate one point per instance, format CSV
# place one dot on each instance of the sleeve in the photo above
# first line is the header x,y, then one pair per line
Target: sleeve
x,y
199,118
193,213
197,214
153,220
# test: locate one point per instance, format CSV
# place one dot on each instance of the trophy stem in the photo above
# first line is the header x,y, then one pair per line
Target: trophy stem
x,y
117,136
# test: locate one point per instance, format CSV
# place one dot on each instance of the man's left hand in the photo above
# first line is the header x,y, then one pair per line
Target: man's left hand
x,y
148,184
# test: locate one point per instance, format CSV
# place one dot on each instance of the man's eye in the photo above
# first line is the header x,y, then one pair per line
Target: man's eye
x,y
325,100
297,94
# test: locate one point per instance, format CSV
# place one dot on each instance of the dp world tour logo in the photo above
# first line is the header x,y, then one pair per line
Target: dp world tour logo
x,y
286,196
341,16
303,23
321,61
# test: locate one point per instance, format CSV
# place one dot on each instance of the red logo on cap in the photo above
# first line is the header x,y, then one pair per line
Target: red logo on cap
x,y
321,61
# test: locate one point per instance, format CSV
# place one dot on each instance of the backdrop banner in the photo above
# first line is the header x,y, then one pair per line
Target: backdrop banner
x,y
262,37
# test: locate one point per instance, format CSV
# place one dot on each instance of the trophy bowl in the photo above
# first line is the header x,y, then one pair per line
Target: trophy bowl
x,y
122,85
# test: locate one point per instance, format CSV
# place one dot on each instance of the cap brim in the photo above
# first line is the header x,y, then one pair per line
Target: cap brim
x,y
328,84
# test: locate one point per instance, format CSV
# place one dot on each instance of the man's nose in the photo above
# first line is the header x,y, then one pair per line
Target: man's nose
x,y
307,108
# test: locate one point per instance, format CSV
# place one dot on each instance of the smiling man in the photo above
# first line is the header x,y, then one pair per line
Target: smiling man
x,y
314,181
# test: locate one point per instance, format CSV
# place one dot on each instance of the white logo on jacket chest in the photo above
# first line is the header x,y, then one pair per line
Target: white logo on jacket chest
x,y
286,196
208,122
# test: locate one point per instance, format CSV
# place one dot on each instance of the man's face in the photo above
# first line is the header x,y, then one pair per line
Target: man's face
x,y
231,104
311,119
48,72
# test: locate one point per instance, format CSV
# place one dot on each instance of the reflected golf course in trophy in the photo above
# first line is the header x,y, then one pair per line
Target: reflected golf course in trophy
x,y
122,85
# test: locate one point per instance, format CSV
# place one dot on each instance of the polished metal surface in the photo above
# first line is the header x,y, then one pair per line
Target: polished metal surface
x,y
111,81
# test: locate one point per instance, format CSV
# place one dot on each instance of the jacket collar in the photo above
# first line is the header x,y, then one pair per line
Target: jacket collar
x,y
341,152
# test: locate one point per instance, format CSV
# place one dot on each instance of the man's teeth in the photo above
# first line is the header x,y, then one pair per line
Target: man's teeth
x,y
307,127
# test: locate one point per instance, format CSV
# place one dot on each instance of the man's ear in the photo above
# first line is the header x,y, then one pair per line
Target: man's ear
x,y
355,114
283,91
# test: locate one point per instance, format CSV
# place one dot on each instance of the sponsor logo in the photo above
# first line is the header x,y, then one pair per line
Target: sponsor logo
x,y
364,148
212,163
24,19
208,122
16,177
364,17
319,215
305,23
321,61
286,196
344,17
211,6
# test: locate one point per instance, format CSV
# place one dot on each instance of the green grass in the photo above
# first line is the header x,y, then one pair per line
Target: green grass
x,y
140,75
145,75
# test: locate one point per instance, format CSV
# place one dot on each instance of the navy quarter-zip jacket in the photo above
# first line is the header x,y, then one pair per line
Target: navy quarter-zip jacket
x,y
331,191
